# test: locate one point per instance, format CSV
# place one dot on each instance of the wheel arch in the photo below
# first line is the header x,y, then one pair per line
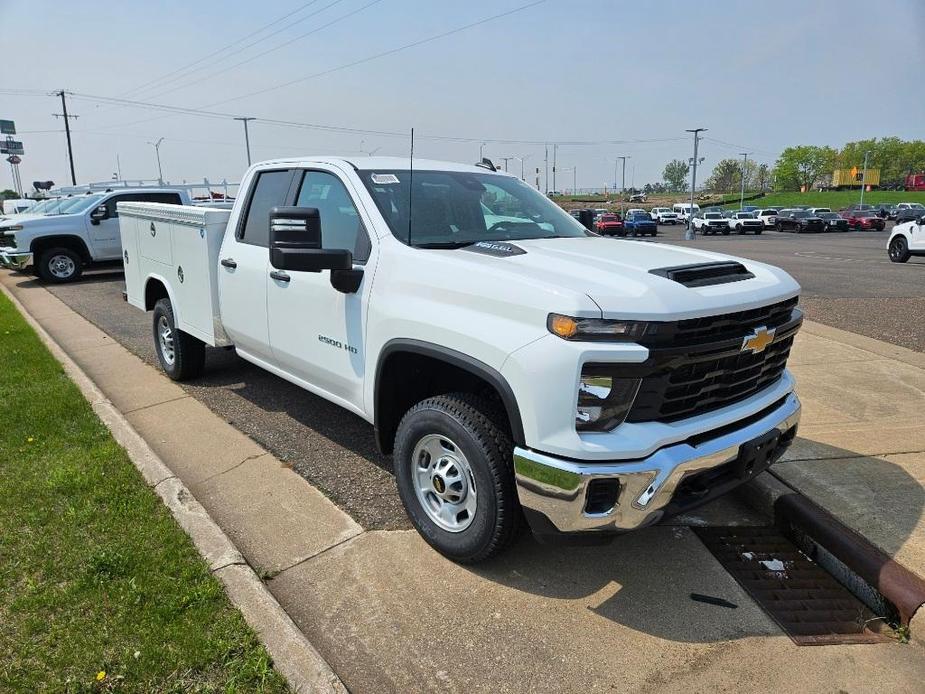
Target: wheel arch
x,y
156,288
432,359
40,244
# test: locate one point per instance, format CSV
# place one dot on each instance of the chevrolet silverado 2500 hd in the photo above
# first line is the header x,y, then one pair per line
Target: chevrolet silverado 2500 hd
x,y
514,364
84,229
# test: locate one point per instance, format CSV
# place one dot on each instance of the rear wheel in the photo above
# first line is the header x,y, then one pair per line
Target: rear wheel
x,y
899,250
181,355
725,232
454,470
59,265
779,227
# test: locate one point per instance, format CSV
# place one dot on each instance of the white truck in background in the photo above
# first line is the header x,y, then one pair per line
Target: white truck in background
x,y
516,366
81,230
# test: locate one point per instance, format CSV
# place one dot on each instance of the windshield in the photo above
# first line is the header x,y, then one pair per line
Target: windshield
x,y
457,208
916,206
800,214
828,215
41,207
78,205
712,215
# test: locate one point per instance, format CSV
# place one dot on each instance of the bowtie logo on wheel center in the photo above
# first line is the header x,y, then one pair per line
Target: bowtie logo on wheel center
x,y
439,484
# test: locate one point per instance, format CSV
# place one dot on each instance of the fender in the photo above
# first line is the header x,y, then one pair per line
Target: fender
x,y
71,240
170,295
459,360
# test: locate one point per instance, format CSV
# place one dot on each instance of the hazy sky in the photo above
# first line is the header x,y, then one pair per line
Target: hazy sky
x,y
759,75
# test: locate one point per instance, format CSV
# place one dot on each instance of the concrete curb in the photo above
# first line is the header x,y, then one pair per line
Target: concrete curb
x,y
293,655
901,587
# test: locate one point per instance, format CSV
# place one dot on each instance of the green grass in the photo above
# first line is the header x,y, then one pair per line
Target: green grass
x,y
100,590
834,199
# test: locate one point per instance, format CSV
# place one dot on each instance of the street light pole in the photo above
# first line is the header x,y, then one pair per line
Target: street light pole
x,y
864,176
622,181
157,152
506,160
744,171
689,234
481,148
522,160
247,139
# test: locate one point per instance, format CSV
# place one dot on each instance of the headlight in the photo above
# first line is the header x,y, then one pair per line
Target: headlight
x,y
14,227
594,329
603,399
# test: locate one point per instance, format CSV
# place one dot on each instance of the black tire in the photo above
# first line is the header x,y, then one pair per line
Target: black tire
x,y
60,265
189,353
725,232
469,423
780,227
739,229
758,232
899,250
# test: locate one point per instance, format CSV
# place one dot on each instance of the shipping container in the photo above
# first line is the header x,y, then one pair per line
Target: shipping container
x,y
915,182
855,177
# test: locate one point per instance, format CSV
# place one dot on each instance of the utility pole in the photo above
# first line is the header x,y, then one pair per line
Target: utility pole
x,y
574,180
247,139
689,234
864,176
481,149
157,152
555,150
623,181
744,171
67,132
506,160
546,175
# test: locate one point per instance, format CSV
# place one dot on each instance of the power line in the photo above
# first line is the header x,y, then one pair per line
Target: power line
x,y
275,48
142,87
392,51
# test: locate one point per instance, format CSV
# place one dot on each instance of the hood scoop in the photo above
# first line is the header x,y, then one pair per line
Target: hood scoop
x,y
704,274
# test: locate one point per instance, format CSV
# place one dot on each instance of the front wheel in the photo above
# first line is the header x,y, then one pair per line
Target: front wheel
x,y
899,250
60,265
181,355
725,232
454,471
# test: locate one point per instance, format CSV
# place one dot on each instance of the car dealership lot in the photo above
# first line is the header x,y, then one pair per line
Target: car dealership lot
x,y
588,619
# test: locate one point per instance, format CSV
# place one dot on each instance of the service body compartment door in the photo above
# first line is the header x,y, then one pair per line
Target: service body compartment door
x,y
134,287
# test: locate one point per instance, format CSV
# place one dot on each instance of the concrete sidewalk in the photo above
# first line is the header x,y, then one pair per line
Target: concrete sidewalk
x,y
391,615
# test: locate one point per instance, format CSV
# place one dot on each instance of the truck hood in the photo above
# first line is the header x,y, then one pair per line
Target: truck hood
x,y
616,275
41,223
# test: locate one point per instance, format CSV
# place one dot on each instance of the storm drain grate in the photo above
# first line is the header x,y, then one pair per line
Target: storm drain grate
x,y
806,602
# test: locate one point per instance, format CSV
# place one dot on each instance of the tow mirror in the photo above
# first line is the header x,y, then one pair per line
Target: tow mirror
x,y
99,214
296,244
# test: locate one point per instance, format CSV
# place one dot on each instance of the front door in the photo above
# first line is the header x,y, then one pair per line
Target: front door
x,y
318,333
244,263
917,235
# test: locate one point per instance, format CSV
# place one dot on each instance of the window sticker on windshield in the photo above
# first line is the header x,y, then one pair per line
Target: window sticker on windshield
x,y
383,179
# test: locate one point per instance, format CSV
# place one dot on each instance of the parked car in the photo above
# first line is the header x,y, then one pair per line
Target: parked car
x,y
476,399
683,210
908,211
833,222
857,207
638,197
864,220
768,216
78,231
749,208
609,224
906,240
818,210
639,223
711,223
664,215
799,221
15,206
742,222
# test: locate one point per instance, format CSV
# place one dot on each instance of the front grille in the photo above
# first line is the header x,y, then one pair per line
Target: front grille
x,y
708,384
698,365
7,241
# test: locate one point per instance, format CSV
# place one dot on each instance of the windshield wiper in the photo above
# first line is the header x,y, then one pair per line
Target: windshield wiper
x,y
445,244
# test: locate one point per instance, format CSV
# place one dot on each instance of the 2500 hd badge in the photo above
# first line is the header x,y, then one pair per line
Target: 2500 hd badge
x,y
336,343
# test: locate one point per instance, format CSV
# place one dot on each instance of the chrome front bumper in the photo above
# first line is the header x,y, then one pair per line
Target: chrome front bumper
x,y
12,259
557,489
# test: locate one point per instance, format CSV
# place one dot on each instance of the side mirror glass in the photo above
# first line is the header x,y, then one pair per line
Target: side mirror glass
x,y
99,214
296,242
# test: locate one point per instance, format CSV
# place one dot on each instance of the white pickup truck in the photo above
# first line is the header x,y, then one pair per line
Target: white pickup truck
x,y
79,230
516,365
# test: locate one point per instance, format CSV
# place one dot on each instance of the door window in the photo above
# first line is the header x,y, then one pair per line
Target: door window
x,y
271,190
341,226
170,198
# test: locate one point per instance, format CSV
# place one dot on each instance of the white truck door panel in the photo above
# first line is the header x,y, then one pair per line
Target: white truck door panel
x,y
318,333
244,266
917,237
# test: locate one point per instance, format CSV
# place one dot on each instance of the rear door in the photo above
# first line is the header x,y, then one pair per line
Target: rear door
x,y
244,264
317,333
104,236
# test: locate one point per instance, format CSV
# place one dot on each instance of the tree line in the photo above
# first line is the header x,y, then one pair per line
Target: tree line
x,y
805,166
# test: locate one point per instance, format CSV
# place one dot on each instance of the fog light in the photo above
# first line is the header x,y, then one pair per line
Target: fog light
x,y
603,399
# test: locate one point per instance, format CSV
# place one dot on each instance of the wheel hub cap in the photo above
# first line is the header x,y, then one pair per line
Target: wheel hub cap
x,y
443,483
61,266
165,338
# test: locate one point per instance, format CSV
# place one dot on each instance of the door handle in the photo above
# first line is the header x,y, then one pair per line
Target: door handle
x,y
229,262
280,276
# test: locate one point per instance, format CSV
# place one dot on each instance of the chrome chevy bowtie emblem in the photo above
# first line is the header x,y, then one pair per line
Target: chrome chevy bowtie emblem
x,y
758,340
